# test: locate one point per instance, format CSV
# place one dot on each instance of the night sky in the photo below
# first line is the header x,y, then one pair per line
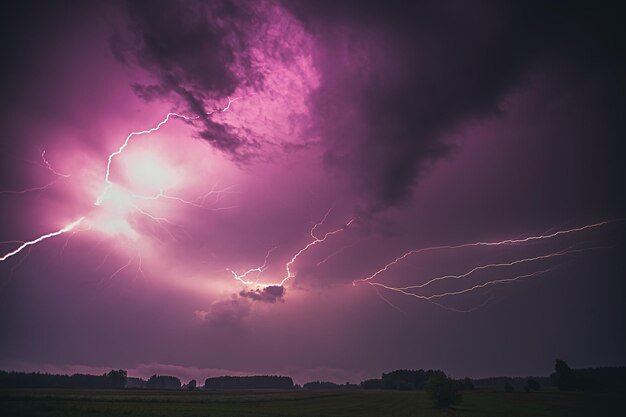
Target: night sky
x,y
329,190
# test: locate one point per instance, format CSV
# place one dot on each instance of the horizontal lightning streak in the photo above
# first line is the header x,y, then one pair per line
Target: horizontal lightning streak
x,y
474,244
29,190
495,265
199,202
463,291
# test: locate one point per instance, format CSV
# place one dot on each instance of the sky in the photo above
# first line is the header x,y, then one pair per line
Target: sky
x,y
326,190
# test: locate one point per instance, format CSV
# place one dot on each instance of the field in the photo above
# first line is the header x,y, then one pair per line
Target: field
x,y
480,403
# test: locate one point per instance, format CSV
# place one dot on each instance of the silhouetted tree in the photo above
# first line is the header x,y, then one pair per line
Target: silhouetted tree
x,y
372,384
321,385
565,377
249,382
405,379
443,391
588,379
467,384
163,382
117,379
192,385
532,385
136,383
114,379
508,387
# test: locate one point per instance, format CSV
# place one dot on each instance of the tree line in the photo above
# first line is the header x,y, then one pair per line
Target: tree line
x,y
113,379
248,382
588,379
564,378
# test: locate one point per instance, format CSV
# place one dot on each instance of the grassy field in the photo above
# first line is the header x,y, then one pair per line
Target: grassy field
x,y
68,403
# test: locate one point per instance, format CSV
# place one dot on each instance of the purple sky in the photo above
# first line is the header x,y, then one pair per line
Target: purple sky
x,y
394,128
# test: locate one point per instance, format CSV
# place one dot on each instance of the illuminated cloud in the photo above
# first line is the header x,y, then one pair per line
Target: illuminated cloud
x,y
422,125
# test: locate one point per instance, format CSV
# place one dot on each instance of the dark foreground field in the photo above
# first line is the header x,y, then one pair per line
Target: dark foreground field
x,y
68,403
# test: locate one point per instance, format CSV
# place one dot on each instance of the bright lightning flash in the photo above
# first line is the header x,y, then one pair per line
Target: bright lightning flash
x,y
115,203
111,218
29,243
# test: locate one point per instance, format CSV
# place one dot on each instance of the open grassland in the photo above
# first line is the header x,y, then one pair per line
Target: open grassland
x,y
130,403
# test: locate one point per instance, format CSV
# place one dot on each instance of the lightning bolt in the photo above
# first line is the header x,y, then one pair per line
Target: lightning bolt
x,y
337,252
29,243
412,290
199,202
495,265
46,164
516,241
463,291
108,185
107,176
29,190
50,168
258,270
405,290
288,272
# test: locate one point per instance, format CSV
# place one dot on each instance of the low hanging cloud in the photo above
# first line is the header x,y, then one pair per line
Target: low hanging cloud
x,y
225,313
232,311
270,294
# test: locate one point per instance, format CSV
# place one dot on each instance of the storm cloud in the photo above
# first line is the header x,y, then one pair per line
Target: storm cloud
x,y
428,123
395,79
197,53
269,294
398,78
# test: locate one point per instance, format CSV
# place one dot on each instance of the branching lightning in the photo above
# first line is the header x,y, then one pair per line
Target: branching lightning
x,y
288,271
422,290
473,244
494,265
416,290
200,202
107,176
463,291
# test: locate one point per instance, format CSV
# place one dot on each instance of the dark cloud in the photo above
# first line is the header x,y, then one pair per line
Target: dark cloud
x,y
269,294
398,77
197,52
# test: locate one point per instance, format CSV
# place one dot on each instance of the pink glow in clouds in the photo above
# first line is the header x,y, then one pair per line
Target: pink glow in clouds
x,y
454,155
